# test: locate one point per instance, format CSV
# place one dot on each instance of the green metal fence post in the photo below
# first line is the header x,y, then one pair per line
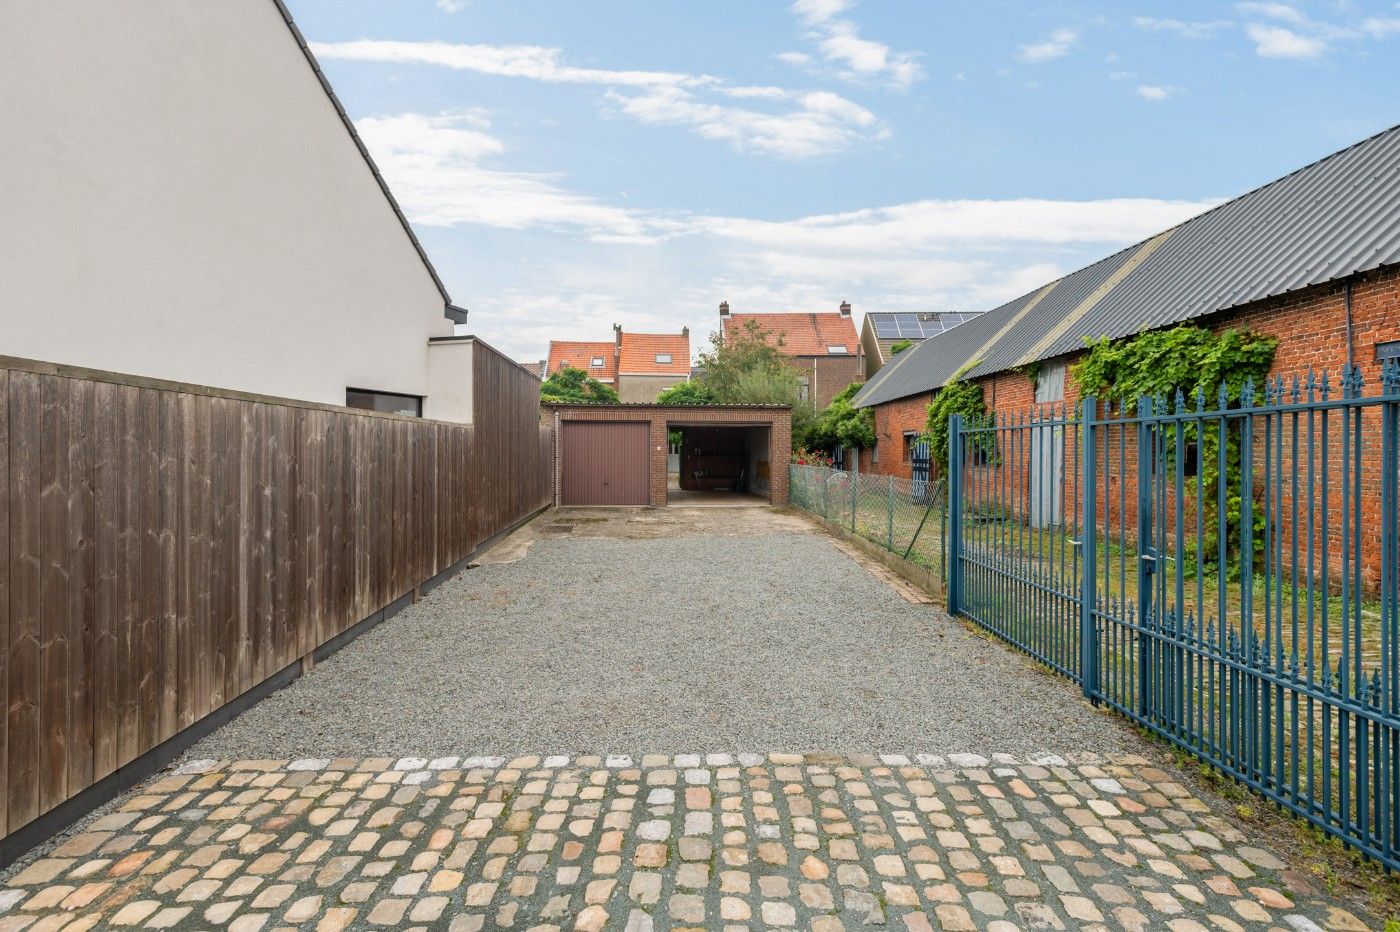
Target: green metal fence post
x,y
1088,550
889,517
1147,554
955,521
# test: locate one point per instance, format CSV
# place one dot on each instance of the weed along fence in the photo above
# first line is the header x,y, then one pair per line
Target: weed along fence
x,y
1222,571
169,552
905,517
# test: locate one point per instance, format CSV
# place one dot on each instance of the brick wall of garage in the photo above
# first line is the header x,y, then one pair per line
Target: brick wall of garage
x,y
777,420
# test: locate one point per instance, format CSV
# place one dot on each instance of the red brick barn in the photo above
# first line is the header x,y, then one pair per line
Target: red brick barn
x,y
1312,259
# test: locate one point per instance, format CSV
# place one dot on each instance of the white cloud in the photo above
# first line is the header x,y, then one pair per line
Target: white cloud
x,y
1381,27
513,61
816,123
654,269
435,166
839,41
1290,33
778,122
1157,91
1278,42
1278,11
794,58
1187,28
1056,45
452,6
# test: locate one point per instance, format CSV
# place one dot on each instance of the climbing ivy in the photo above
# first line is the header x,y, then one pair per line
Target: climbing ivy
x,y
1190,367
957,397
1185,358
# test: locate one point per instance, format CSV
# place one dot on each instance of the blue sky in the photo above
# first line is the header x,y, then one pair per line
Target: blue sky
x,y
569,165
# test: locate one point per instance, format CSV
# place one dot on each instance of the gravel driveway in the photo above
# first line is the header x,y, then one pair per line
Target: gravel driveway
x,y
742,632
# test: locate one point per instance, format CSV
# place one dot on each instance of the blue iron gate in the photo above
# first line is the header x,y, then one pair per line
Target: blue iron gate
x,y
1226,574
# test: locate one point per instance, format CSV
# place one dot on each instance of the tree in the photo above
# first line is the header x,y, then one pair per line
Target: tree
x,y
749,350
843,424
750,369
900,346
574,386
694,392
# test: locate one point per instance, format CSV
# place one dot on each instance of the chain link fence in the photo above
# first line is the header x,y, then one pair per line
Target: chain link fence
x,y
905,517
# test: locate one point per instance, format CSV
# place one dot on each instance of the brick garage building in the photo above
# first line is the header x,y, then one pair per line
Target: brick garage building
x,y
617,454
1312,259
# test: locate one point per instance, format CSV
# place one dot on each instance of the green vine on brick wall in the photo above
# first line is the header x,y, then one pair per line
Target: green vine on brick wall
x,y
1187,365
957,397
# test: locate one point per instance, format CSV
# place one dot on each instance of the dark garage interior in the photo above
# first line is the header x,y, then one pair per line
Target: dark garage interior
x,y
720,465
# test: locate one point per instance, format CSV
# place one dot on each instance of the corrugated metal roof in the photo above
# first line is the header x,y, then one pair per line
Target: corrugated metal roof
x,y
1334,218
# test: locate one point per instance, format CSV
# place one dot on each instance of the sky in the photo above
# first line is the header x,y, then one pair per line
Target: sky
x,y
569,165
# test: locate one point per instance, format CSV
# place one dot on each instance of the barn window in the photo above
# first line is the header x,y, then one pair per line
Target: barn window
x,y
597,362
663,359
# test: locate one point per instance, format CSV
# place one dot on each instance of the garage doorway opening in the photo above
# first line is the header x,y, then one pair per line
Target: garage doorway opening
x,y
719,465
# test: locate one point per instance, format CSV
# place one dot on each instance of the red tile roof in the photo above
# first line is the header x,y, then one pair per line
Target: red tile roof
x,y
803,334
579,354
639,352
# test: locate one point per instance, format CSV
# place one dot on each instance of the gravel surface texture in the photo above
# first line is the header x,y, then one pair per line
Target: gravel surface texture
x,y
769,642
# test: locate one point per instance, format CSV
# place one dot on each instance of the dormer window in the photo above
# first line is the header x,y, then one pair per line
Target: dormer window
x,y
663,359
836,350
597,362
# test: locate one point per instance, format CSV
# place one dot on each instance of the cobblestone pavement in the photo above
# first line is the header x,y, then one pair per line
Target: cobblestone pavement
x,y
656,842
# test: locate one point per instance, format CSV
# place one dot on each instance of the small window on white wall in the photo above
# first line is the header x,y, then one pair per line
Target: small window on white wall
x,y
663,359
387,402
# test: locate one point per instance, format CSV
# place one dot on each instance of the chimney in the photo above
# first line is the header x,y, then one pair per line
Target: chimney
x,y
724,309
845,309
617,334
685,331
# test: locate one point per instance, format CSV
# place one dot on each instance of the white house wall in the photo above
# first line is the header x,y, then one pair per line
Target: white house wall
x,y
181,200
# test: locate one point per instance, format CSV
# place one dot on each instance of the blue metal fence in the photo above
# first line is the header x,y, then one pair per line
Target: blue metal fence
x,y
1224,572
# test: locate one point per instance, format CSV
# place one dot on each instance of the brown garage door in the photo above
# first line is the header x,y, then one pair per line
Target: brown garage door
x,y
606,463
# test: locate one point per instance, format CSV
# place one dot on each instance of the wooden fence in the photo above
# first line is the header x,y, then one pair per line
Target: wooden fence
x,y
166,548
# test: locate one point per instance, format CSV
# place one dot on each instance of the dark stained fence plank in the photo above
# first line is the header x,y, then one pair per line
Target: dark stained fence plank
x,y
82,580
53,594
147,648
108,479
192,610
128,576
168,524
25,585
283,648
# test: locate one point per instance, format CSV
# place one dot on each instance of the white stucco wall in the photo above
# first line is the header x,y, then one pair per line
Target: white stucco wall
x,y
181,200
450,379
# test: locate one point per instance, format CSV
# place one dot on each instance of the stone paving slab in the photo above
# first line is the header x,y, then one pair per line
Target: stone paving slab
x,y
715,841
